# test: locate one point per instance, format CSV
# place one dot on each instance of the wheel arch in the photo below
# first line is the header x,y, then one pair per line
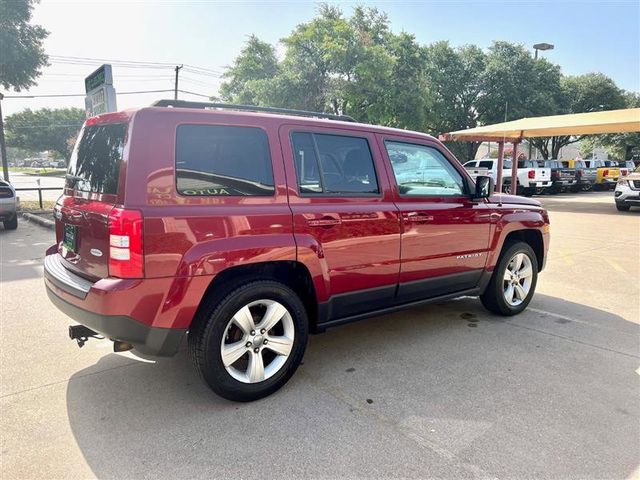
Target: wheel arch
x,y
291,273
533,238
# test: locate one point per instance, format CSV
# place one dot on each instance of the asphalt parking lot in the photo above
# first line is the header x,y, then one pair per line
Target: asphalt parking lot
x,y
445,391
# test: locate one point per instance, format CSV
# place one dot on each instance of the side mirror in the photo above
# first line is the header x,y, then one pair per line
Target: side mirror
x,y
484,187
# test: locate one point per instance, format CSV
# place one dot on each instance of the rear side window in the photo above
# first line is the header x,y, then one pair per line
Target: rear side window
x,y
222,160
333,164
486,164
94,165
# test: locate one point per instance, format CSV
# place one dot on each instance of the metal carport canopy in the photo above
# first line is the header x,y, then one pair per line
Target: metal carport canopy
x,y
611,121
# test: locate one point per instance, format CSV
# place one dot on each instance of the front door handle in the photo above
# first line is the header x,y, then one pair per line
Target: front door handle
x,y
418,218
324,222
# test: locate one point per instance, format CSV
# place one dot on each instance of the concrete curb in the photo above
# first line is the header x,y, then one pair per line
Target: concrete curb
x,y
43,222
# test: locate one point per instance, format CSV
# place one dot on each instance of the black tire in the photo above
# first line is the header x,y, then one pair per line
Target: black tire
x,y
209,326
493,297
11,224
508,189
622,208
528,192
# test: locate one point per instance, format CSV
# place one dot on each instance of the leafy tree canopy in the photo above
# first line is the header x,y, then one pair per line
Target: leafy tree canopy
x,y
45,129
21,52
356,65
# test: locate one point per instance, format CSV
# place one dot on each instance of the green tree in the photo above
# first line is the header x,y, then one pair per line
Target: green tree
x,y
455,87
615,143
45,129
580,94
256,64
21,52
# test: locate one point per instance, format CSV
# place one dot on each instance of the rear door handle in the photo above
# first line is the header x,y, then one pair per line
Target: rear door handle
x,y
419,218
324,222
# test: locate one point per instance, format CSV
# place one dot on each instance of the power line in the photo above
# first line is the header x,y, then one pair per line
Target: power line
x,y
130,64
82,94
119,93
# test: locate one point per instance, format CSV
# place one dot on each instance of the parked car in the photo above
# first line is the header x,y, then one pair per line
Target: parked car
x,y
608,173
626,167
627,193
248,230
8,206
585,176
563,178
531,178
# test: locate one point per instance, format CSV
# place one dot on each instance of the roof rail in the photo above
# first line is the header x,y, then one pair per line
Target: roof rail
x,y
250,108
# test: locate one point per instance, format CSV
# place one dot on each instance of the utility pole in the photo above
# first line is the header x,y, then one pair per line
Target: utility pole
x,y
3,146
175,89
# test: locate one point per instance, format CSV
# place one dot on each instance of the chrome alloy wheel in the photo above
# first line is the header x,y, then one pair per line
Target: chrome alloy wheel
x,y
517,279
257,341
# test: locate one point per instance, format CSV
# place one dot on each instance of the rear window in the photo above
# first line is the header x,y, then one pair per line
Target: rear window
x,y
94,165
222,160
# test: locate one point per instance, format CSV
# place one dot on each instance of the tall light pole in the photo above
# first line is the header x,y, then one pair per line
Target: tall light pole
x,y
539,46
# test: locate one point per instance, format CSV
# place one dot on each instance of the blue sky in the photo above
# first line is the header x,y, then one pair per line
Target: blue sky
x,y
588,36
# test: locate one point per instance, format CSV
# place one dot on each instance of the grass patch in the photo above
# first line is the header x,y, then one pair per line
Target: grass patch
x,y
34,205
41,172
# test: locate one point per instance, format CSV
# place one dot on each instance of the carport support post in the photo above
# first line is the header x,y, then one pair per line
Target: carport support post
x,y
514,170
500,166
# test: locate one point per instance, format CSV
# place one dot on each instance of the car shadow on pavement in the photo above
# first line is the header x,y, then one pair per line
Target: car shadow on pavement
x,y
537,395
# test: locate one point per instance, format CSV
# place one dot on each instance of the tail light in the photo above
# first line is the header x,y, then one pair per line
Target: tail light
x,y
623,172
125,244
532,174
605,173
554,174
578,173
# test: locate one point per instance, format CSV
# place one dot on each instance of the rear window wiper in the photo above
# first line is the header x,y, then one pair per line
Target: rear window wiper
x,y
71,180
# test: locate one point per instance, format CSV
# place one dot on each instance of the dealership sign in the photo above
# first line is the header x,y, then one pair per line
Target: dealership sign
x,y
101,96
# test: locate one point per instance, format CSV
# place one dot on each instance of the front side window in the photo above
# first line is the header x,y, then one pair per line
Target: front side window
x,y
333,164
223,160
424,171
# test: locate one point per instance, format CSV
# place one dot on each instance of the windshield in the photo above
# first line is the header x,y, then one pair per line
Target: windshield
x,y
94,165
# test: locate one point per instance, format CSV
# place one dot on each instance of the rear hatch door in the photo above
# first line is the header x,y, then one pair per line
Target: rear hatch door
x,y
91,192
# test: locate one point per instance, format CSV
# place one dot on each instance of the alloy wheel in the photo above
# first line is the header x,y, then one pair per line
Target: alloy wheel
x,y
517,279
257,341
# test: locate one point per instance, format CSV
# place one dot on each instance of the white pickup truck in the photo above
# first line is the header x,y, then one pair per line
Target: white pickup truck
x,y
531,178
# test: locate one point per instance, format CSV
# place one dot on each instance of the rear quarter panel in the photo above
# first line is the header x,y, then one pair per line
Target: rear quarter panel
x,y
199,236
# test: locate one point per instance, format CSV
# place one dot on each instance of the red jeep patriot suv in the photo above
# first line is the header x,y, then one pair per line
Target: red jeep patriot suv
x,y
249,227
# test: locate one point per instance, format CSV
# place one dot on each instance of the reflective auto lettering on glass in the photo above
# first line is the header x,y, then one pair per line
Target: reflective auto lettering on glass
x,y
214,160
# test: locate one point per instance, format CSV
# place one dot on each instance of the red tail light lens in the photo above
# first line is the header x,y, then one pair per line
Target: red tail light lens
x,y
623,172
605,173
126,258
532,174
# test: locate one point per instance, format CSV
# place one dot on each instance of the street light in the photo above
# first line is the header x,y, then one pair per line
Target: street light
x,y
542,46
536,47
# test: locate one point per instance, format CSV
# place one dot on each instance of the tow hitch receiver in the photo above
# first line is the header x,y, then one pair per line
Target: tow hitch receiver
x,y
81,334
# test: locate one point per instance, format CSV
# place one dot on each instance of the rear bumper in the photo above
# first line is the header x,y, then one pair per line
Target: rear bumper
x,y
162,342
115,307
540,184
